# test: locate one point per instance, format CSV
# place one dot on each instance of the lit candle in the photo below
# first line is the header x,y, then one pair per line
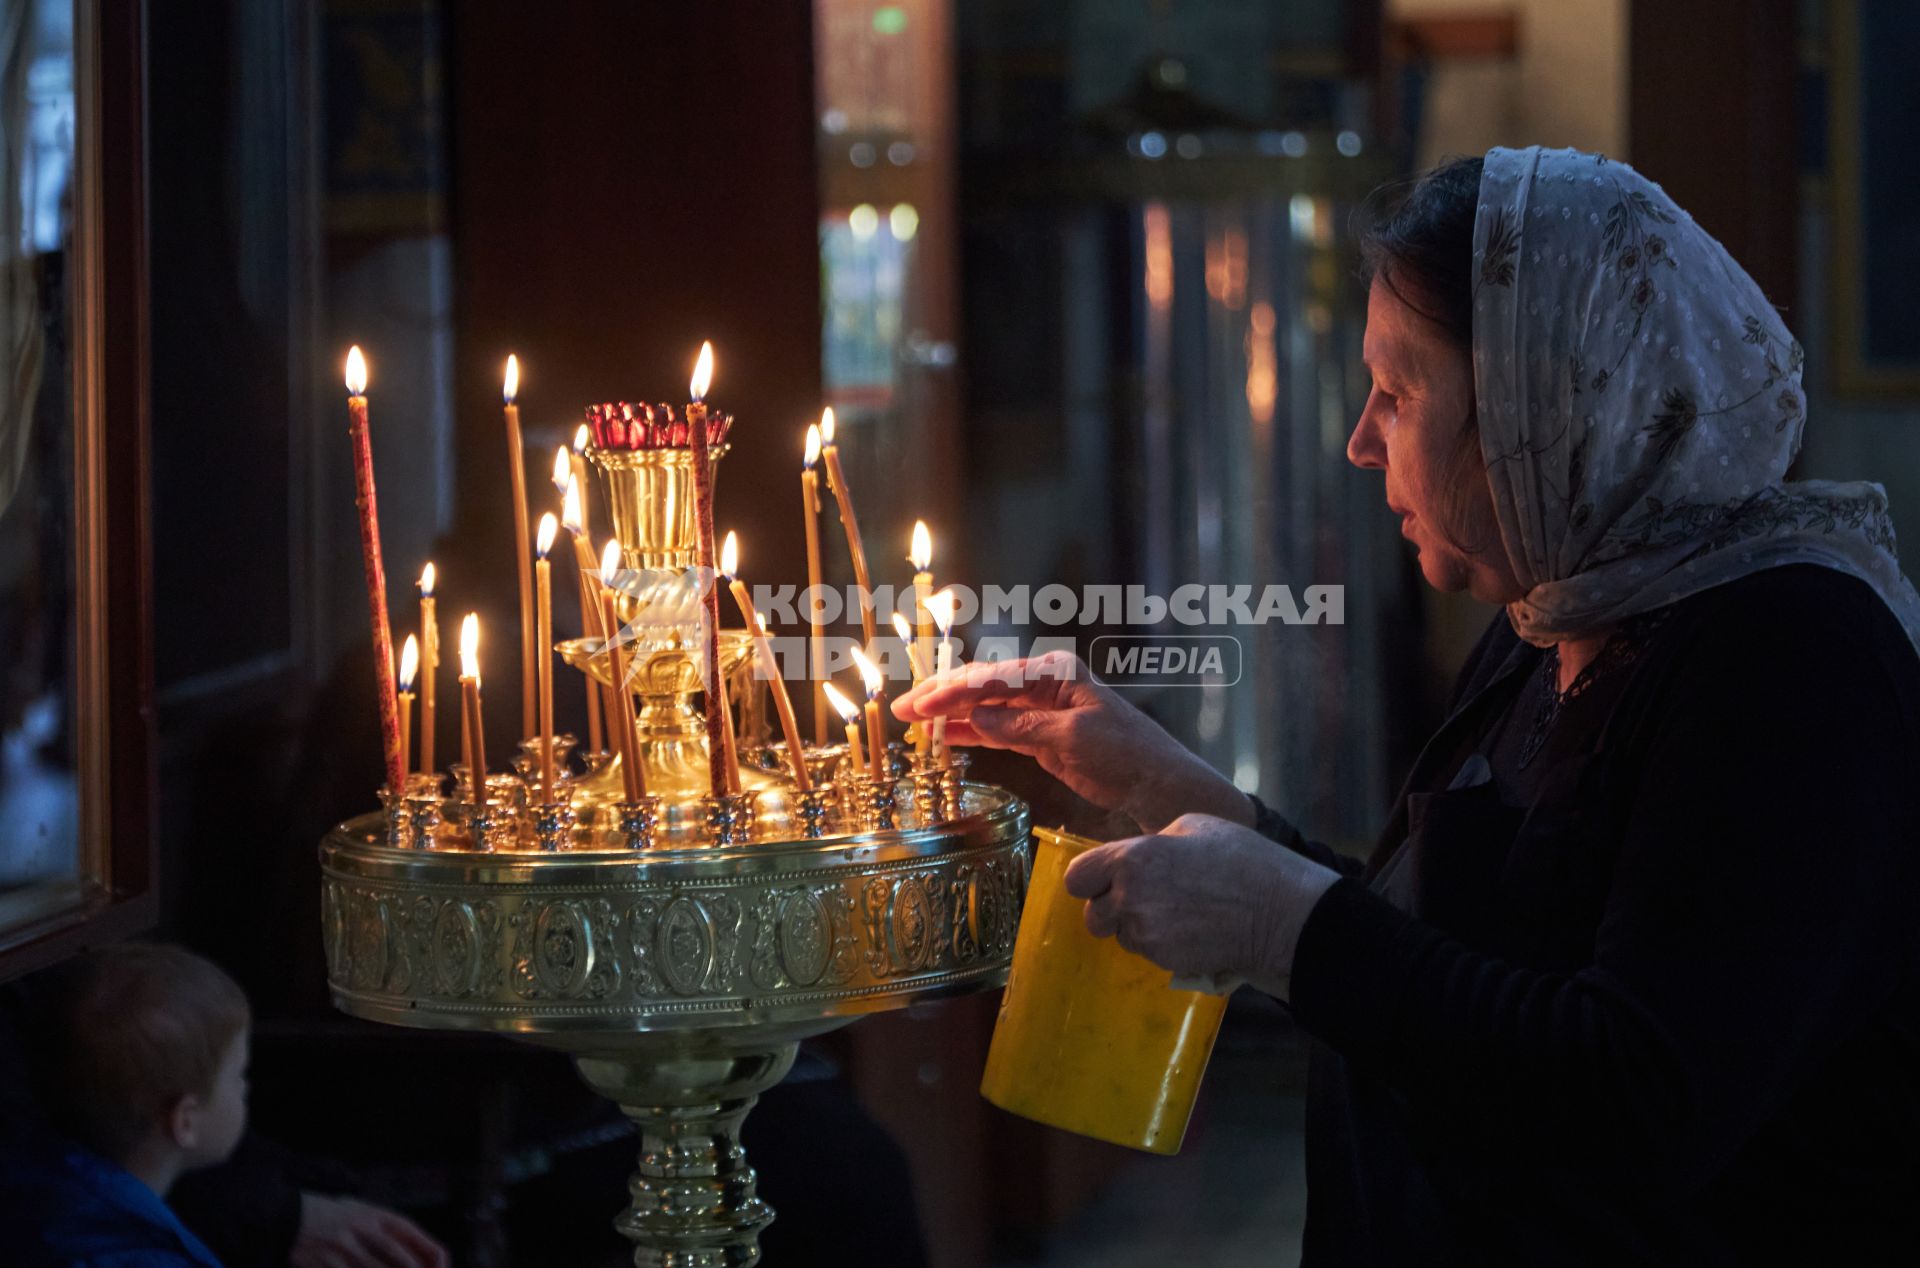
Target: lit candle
x,y
409,666
905,634
941,607
429,667
856,753
368,507
724,774
920,555
621,717
837,480
573,517
816,638
876,725
523,538
543,640
582,437
763,653
473,731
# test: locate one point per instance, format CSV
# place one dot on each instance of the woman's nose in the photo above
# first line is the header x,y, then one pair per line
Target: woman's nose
x,y
1367,447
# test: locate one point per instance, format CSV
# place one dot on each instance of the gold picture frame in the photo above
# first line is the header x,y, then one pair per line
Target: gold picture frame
x,y
99,289
1856,373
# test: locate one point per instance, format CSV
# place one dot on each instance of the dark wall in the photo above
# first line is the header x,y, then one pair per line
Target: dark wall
x,y
629,180
1712,115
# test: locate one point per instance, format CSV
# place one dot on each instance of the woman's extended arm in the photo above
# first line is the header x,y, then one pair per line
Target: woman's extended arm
x,y
1081,732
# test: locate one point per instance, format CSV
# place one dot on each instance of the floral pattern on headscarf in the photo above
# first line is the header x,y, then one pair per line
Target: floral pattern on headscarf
x,y
1639,403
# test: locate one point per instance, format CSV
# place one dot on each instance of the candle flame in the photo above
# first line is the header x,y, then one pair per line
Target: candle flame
x,y
940,606
826,425
904,630
549,528
610,562
869,672
702,373
513,377
841,705
426,580
470,646
570,507
582,437
730,555
562,468
920,554
409,662
356,372
813,445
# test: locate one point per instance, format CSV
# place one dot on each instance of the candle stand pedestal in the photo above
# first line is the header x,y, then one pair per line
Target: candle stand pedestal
x,y
677,946
682,980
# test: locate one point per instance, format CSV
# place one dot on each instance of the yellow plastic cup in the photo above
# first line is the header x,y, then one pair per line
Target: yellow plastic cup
x,y
1091,1038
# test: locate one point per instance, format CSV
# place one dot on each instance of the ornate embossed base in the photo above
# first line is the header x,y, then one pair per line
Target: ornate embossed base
x,y
681,980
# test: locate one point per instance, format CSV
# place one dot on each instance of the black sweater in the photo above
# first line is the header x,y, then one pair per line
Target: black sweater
x,y
1665,1010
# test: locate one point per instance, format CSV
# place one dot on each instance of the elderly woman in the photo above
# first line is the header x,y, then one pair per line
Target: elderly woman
x,y
1630,976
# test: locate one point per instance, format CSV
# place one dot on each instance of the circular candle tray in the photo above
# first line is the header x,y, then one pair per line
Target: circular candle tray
x,y
681,981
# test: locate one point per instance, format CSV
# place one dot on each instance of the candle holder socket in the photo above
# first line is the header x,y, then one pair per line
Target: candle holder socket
x,y
493,826
872,803
899,759
553,826
821,760
953,774
729,817
425,820
931,802
526,762
637,822
809,809
399,817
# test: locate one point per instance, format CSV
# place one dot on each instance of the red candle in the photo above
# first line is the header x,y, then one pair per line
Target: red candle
x,y
366,503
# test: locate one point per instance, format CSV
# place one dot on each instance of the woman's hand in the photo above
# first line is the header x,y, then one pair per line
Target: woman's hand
x,y
1082,733
1202,896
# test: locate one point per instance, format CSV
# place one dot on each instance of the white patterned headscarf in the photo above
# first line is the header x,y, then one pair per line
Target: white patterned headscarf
x,y
1639,403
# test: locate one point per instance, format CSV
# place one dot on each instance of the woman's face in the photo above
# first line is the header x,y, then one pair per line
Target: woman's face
x,y
1418,428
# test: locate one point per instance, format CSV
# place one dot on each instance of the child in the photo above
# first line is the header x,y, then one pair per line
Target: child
x,y
144,1080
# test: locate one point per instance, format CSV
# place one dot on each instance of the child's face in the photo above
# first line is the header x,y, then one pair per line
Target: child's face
x,y
221,1115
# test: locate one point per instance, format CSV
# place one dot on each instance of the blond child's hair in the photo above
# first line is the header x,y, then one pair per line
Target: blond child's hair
x,y
133,1028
